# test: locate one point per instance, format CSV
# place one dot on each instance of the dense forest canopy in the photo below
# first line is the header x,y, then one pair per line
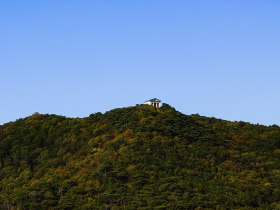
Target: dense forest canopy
x,y
138,158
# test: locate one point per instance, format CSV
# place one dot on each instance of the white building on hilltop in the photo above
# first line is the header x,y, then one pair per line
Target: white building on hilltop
x,y
154,102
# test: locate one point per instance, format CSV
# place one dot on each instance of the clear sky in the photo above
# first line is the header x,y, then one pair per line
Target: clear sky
x,y
213,57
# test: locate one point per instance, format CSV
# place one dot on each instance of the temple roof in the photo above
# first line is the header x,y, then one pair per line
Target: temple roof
x,y
154,100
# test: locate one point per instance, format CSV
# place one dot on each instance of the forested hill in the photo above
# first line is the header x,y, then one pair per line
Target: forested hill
x,y
138,158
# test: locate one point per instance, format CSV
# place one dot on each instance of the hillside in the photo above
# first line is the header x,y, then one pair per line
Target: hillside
x,y
138,158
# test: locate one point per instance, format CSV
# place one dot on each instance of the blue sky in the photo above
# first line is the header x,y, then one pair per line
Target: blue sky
x,y
212,57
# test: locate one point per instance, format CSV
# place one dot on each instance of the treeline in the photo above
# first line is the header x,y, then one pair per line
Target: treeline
x,y
138,158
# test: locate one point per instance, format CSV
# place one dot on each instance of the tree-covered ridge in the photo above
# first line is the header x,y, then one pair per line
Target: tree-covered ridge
x,y
138,158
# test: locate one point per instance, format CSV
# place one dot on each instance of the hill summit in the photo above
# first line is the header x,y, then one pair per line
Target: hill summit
x,y
138,158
